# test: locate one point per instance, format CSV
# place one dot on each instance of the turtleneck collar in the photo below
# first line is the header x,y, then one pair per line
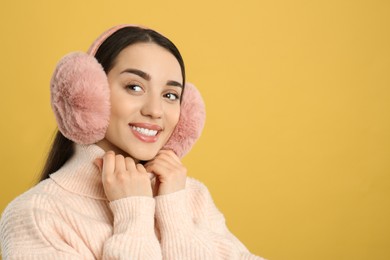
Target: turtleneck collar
x,y
80,175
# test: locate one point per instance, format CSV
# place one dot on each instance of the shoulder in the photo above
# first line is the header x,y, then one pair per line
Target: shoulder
x,y
201,202
197,192
31,224
196,186
24,199
18,220
22,207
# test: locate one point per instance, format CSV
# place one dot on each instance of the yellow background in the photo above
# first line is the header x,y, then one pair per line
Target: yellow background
x,y
296,146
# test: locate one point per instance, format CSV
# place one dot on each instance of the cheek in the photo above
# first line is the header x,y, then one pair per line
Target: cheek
x,y
173,117
115,104
123,109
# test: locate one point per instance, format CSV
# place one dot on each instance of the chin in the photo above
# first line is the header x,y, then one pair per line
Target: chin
x,y
142,154
147,157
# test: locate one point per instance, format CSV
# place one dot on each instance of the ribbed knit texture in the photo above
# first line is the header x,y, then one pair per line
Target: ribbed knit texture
x,y
68,217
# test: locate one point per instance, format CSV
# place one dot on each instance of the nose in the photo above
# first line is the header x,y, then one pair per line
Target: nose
x,y
152,106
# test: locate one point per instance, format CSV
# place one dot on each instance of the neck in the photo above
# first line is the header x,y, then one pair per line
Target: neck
x,y
107,146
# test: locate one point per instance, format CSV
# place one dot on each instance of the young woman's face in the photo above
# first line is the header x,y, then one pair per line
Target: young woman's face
x,y
146,85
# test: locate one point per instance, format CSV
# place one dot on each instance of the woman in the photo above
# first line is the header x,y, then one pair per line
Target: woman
x,y
113,186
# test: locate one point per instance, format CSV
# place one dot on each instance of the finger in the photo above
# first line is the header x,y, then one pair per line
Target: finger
x,y
140,168
159,168
165,157
130,164
171,154
108,163
119,163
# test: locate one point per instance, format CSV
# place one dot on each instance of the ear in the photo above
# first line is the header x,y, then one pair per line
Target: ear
x,y
80,98
191,122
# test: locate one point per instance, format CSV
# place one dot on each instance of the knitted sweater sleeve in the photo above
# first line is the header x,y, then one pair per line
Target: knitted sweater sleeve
x,y
192,227
134,236
28,231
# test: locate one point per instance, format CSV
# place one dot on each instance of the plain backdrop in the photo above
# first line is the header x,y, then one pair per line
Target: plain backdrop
x,y
296,146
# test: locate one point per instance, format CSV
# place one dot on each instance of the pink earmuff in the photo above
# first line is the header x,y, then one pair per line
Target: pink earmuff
x,y
80,98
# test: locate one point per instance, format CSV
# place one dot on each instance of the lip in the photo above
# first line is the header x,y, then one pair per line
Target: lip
x,y
146,138
146,125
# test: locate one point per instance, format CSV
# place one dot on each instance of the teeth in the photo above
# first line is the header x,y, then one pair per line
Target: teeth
x,y
145,131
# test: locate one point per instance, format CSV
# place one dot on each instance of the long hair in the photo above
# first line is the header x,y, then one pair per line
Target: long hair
x,y
62,148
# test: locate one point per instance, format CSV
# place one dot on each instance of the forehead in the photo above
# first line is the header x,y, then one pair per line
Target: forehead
x,y
151,58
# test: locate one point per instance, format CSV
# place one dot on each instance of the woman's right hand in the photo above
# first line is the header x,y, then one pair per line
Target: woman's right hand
x,y
122,177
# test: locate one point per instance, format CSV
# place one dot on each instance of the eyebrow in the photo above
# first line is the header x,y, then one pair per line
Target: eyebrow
x,y
147,77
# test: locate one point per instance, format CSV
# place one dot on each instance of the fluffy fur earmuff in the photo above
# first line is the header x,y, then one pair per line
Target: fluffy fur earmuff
x,y
191,122
80,98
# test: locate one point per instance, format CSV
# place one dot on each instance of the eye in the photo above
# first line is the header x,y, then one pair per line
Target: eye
x,y
172,96
134,87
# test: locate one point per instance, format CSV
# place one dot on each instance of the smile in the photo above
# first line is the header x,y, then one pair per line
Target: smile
x,y
145,131
148,133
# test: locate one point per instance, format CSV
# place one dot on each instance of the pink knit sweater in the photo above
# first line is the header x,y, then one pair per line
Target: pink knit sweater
x,y
68,217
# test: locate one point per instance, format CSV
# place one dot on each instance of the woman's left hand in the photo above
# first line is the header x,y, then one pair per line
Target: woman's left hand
x,y
170,172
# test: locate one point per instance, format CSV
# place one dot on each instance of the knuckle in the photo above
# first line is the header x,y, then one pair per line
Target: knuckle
x,y
108,156
129,159
108,180
140,167
169,153
119,156
165,157
121,177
